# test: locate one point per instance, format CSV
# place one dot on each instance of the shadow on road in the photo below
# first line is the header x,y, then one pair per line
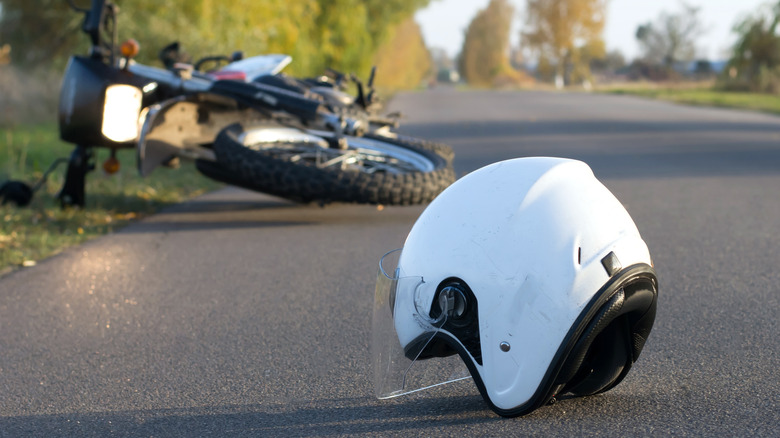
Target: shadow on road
x,y
466,414
234,208
208,205
195,225
338,417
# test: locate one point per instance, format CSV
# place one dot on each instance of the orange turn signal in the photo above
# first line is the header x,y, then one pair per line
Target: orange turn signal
x,y
111,165
129,48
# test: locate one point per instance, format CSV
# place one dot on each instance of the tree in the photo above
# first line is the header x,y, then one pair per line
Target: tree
x,y
485,52
38,31
404,61
565,35
5,54
755,59
342,34
609,63
671,38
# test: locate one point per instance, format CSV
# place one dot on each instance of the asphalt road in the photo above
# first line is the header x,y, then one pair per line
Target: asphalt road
x,y
239,314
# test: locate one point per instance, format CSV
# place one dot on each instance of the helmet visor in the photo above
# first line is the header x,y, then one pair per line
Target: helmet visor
x,y
404,333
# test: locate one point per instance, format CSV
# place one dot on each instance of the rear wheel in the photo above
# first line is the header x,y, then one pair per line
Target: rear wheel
x,y
302,166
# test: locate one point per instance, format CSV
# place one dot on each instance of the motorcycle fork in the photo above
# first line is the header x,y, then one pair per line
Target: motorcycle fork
x,y
80,162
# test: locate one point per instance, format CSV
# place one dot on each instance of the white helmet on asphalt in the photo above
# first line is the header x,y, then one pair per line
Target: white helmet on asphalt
x,y
532,273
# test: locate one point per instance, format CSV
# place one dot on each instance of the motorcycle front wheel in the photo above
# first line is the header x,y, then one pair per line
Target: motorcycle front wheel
x,y
309,166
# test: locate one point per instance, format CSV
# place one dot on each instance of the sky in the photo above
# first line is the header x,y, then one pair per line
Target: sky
x,y
444,22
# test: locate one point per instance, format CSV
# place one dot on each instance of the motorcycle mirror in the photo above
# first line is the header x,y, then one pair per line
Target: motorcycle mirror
x,y
171,54
371,78
76,7
361,95
367,100
337,76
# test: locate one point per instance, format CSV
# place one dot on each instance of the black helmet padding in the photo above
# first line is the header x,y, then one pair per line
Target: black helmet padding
x,y
611,342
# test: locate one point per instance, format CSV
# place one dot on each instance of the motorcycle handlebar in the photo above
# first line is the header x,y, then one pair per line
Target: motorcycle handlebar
x,y
93,20
75,7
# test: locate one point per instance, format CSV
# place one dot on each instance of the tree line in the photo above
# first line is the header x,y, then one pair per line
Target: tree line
x,y
348,35
565,40
563,37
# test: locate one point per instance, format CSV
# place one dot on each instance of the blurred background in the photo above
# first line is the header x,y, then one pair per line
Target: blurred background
x,y
712,52
719,44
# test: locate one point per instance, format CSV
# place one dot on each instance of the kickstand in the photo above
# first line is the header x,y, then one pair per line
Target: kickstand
x,y
80,162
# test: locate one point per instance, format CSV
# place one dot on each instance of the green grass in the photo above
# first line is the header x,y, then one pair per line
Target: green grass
x,y
707,97
42,229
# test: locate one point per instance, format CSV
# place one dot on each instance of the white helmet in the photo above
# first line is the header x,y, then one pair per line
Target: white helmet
x,y
532,272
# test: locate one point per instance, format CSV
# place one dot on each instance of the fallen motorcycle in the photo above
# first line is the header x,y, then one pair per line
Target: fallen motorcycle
x,y
308,144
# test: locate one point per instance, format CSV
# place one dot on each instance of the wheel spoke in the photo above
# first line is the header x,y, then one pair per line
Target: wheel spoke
x,y
363,159
299,164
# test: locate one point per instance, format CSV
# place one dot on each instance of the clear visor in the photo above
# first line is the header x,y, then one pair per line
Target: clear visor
x,y
404,334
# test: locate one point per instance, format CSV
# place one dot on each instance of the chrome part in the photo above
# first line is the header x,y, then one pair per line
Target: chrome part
x,y
354,127
148,88
255,137
385,131
361,154
342,125
332,122
334,96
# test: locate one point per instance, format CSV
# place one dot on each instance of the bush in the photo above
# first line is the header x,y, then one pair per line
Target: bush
x,y
755,61
28,97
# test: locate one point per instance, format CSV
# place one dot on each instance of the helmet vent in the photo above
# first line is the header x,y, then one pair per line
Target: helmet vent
x,y
611,263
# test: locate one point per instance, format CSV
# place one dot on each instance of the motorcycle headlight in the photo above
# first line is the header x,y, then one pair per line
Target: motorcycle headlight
x,y
120,112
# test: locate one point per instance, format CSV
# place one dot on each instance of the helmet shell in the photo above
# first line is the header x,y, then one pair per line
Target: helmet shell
x,y
528,237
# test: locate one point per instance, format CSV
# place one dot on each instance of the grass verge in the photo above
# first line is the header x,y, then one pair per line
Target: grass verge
x,y
42,228
704,96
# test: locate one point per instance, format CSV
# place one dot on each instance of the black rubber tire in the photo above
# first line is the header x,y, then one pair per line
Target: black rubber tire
x,y
441,149
303,181
15,192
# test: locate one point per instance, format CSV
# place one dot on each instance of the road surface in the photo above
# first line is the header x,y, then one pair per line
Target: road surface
x,y
240,314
